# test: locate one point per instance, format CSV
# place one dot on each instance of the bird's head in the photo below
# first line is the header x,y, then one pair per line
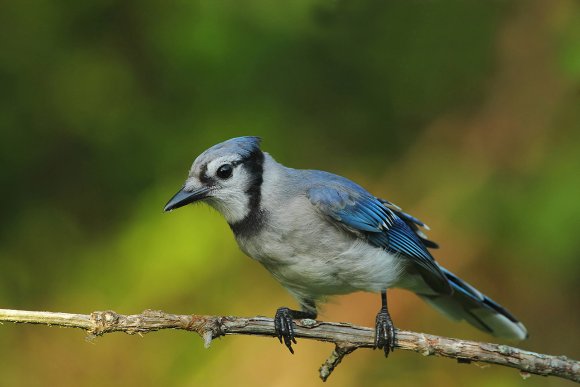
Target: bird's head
x,y
227,176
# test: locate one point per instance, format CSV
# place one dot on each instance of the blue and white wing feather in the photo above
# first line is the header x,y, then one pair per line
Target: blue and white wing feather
x,y
353,208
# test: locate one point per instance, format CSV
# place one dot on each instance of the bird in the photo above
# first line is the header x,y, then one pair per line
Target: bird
x,y
321,235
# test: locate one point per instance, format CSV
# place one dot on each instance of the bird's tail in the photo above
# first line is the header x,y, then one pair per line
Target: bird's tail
x,y
468,303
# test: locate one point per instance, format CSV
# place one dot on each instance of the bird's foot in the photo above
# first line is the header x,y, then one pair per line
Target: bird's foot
x,y
283,327
384,332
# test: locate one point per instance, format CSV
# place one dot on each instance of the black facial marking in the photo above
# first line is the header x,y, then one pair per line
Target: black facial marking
x,y
204,178
253,222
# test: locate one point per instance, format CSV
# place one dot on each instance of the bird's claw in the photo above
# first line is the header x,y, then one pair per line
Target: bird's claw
x,y
384,332
283,327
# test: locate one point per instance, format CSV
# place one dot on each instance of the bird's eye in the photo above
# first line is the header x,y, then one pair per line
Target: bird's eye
x,y
225,171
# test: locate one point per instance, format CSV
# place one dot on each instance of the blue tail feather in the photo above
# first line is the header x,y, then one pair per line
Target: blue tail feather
x,y
468,303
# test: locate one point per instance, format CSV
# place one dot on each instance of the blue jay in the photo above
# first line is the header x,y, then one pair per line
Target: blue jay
x,y
320,235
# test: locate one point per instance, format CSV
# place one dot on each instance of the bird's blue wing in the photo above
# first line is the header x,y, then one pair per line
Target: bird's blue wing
x,y
352,209
414,223
376,220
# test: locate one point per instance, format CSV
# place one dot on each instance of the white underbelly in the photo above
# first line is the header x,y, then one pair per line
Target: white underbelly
x,y
326,272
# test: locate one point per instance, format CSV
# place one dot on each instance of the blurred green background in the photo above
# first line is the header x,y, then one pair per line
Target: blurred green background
x,y
464,113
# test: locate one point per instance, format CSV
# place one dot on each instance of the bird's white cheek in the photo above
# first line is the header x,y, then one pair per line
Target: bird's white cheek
x,y
232,204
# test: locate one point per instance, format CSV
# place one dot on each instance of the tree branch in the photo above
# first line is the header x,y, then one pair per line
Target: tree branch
x,y
347,337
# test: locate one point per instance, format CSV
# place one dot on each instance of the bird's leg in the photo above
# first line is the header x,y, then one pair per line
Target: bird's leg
x,y
384,328
283,323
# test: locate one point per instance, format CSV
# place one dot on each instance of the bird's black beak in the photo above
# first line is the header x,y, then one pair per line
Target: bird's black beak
x,y
184,197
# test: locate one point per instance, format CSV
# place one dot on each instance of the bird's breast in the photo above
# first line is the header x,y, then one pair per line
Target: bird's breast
x,y
318,260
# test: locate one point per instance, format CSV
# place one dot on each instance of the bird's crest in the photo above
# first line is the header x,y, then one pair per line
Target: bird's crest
x,y
244,146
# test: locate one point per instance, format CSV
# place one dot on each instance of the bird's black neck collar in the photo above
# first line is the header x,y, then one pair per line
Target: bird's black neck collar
x,y
253,222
